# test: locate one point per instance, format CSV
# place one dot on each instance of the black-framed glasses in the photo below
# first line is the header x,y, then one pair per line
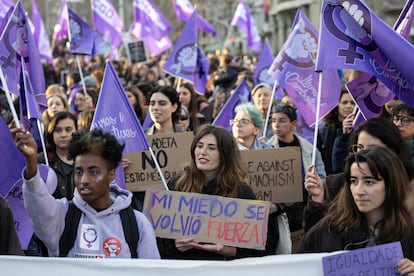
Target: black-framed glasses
x,y
241,122
405,121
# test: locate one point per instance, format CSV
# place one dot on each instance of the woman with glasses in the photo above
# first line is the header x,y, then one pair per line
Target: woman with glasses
x,y
373,132
190,99
403,118
184,119
283,125
369,210
246,125
215,169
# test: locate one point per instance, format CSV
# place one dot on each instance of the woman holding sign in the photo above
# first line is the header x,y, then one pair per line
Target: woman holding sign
x,y
216,169
369,210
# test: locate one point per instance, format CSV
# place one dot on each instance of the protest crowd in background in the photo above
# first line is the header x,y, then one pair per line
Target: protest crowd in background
x,y
260,101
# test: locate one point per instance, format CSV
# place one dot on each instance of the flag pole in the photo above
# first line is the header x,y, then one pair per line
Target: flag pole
x,y
269,109
158,169
225,42
9,99
318,109
178,83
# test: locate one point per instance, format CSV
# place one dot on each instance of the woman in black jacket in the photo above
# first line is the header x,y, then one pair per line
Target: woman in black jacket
x,y
369,210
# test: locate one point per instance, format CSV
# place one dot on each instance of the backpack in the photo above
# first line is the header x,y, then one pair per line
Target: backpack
x,y
72,218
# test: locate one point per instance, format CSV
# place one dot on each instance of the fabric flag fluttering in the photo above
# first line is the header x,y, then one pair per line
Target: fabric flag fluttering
x,y
243,19
183,11
294,68
368,92
107,21
5,6
187,61
119,119
241,95
261,74
157,47
149,21
40,35
83,39
353,37
17,42
61,28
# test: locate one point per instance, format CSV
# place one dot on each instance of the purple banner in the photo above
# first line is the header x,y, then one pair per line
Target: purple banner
x,y
376,260
40,35
61,28
149,21
183,11
244,20
241,95
83,39
106,20
157,47
261,74
363,44
5,6
294,68
16,43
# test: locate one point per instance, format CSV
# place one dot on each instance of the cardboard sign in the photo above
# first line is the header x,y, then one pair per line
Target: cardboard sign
x,y
172,152
137,52
275,175
207,218
376,260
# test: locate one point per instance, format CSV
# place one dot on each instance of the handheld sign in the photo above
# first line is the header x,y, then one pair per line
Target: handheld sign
x,y
136,52
275,175
376,260
207,218
172,152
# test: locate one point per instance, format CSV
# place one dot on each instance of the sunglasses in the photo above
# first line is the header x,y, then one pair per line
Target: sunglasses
x,y
183,118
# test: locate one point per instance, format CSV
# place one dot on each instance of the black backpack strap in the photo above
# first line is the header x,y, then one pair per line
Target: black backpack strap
x,y
130,227
67,239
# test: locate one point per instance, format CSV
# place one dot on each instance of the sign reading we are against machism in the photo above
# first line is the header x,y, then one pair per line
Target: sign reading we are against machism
x,y
172,152
208,218
275,175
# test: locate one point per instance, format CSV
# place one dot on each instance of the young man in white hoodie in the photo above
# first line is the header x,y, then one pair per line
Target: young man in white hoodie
x,y
100,230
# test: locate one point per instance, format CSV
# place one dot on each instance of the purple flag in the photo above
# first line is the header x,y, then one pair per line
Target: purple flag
x,y
40,35
157,47
147,122
241,95
5,6
364,44
261,74
15,200
369,93
244,20
294,68
149,21
187,61
83,39
183,11
107,21
119,119
61,28
17,42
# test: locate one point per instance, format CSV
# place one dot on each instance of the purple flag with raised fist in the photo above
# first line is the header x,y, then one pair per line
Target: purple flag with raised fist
x,y
149,21
368,92
241,95
294,69
183,11
61,28
187,61
107,21
119,118
243,19
83,39
40,35
353,37
157,47
260,73
16,43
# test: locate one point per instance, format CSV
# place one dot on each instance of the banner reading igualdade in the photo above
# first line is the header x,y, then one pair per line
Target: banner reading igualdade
x,y
208,218
172,152
275,175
